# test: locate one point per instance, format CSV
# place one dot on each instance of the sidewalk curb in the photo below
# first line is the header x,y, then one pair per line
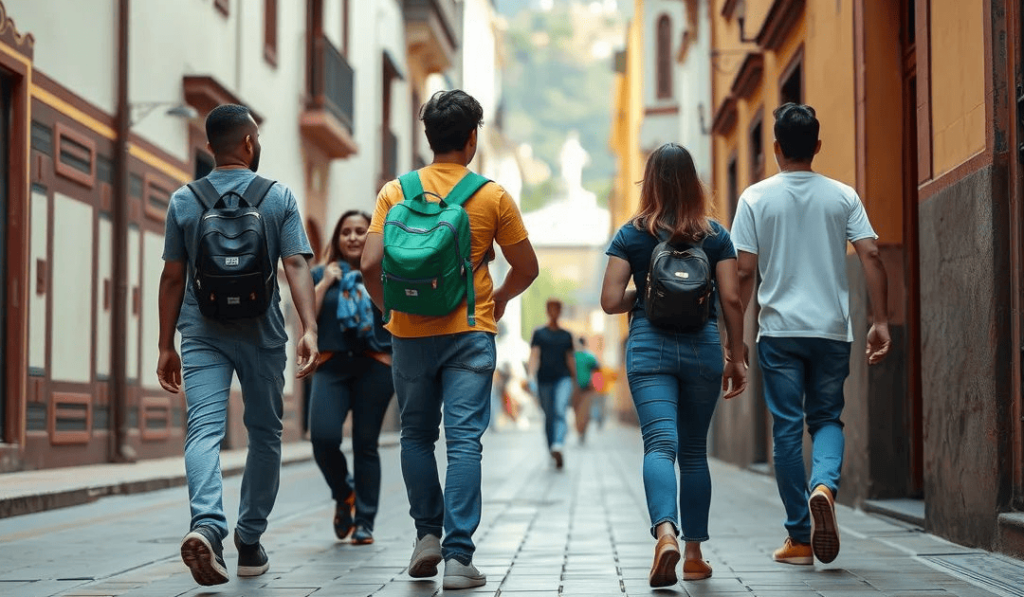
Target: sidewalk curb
x,y
31,503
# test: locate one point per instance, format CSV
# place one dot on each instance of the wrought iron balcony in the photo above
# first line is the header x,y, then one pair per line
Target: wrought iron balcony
x,y
328,119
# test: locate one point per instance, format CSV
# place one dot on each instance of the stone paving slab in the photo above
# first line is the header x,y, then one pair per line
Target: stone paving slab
x,y
37,491
580,531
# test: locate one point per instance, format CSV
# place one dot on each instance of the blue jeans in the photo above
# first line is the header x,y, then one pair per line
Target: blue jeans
x,y
803,380
364,386
207,367
675,380
554,401
453,374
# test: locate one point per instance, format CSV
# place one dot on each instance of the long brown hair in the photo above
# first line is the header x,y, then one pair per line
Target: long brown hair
x,y
672,197
331,252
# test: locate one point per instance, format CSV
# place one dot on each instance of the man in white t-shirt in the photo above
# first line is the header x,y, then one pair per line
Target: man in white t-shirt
x,y
793,229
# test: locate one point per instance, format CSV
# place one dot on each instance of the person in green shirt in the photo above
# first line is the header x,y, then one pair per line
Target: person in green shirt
x,y
583,396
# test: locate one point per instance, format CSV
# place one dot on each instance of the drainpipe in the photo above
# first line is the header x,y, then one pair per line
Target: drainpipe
x,y
120,451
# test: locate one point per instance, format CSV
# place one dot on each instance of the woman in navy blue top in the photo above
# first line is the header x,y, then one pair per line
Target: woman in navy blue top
x,y
676,377
355,377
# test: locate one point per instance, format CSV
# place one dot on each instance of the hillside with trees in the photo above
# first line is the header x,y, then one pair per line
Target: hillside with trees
x,y
558,78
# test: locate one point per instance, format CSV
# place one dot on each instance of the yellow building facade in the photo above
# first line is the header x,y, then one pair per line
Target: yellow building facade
x,y
918,112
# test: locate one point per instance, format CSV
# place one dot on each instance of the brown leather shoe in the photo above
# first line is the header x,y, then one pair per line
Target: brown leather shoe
x,y
344,512
666,556
824,529
696,570
792,552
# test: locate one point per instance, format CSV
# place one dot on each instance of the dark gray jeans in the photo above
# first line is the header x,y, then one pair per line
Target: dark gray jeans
x,y
363,386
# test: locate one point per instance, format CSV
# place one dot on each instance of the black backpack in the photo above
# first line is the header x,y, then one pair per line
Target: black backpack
x,y
233,275
679,287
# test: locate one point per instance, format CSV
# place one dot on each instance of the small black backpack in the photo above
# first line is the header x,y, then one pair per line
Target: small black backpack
x,y
679,287
233,275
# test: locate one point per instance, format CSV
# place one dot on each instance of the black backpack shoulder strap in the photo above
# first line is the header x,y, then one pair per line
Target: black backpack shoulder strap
x,y
257,191
205,192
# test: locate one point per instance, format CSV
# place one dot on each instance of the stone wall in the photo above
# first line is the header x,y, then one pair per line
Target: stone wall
x,y
965,337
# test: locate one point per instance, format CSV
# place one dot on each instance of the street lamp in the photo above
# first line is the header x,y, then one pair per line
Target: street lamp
x,y
128,114
140,110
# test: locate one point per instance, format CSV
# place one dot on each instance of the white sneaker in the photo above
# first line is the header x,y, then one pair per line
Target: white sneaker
x,y
426,555
462,576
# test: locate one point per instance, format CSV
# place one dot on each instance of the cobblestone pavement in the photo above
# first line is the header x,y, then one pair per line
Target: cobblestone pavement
x,y
581,531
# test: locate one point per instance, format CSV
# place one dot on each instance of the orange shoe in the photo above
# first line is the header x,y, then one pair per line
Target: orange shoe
x,y
824,530
696,570
666,556
793,552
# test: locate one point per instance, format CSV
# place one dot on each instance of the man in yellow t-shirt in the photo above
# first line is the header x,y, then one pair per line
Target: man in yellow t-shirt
x,y
443,363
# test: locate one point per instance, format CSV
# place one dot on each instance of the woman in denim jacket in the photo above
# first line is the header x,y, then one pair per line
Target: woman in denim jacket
x,y
675,378
356,376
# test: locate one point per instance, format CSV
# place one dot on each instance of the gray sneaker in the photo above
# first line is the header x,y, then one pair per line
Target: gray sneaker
x,y
462,576
426,555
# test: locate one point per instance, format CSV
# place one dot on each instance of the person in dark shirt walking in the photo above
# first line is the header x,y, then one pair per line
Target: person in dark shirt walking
x,y
553,367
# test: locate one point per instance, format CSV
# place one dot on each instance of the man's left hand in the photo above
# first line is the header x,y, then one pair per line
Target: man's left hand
x,y
308,355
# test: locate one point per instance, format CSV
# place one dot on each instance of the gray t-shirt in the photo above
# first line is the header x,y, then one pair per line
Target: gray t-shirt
x,y
798,223
285,237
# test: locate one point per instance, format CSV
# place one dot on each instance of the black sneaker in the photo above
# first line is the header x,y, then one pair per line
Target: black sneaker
x,y
202,552
362,535
252,559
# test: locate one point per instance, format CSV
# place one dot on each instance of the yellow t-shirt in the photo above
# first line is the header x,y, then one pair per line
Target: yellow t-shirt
x,y
493,217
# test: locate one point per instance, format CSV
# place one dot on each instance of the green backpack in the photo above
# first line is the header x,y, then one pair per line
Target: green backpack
x,y
427,267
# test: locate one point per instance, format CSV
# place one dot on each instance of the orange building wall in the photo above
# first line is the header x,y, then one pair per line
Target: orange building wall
x,y
829,85
958,82
826,36
627,117
881,183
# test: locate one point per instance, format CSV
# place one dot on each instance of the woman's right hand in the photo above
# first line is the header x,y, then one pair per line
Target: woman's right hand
x,y
332,272
735,374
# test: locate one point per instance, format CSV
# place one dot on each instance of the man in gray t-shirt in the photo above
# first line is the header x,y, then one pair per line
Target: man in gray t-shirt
x,y
213,350
793,229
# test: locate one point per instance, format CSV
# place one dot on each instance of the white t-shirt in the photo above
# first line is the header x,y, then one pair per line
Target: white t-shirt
x,y
798,223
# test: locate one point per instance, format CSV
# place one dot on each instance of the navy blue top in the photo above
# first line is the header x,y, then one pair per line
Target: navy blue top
x,y
330,335
555,348
636,246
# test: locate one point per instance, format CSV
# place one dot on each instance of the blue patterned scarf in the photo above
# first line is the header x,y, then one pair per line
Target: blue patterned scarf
x,y
355,311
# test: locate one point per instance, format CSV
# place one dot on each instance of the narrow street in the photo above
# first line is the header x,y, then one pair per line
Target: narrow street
x,y
582,531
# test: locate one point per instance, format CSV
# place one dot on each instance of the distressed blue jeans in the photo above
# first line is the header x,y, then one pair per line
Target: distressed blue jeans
x,y
554,401
675,380
450,374
803,381
207,367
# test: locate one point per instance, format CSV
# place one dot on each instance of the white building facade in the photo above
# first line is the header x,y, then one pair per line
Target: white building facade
x,y
332,84
676,86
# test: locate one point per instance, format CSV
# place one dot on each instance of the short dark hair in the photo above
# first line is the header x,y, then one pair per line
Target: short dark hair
x,y
449,118
796,130
226,126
